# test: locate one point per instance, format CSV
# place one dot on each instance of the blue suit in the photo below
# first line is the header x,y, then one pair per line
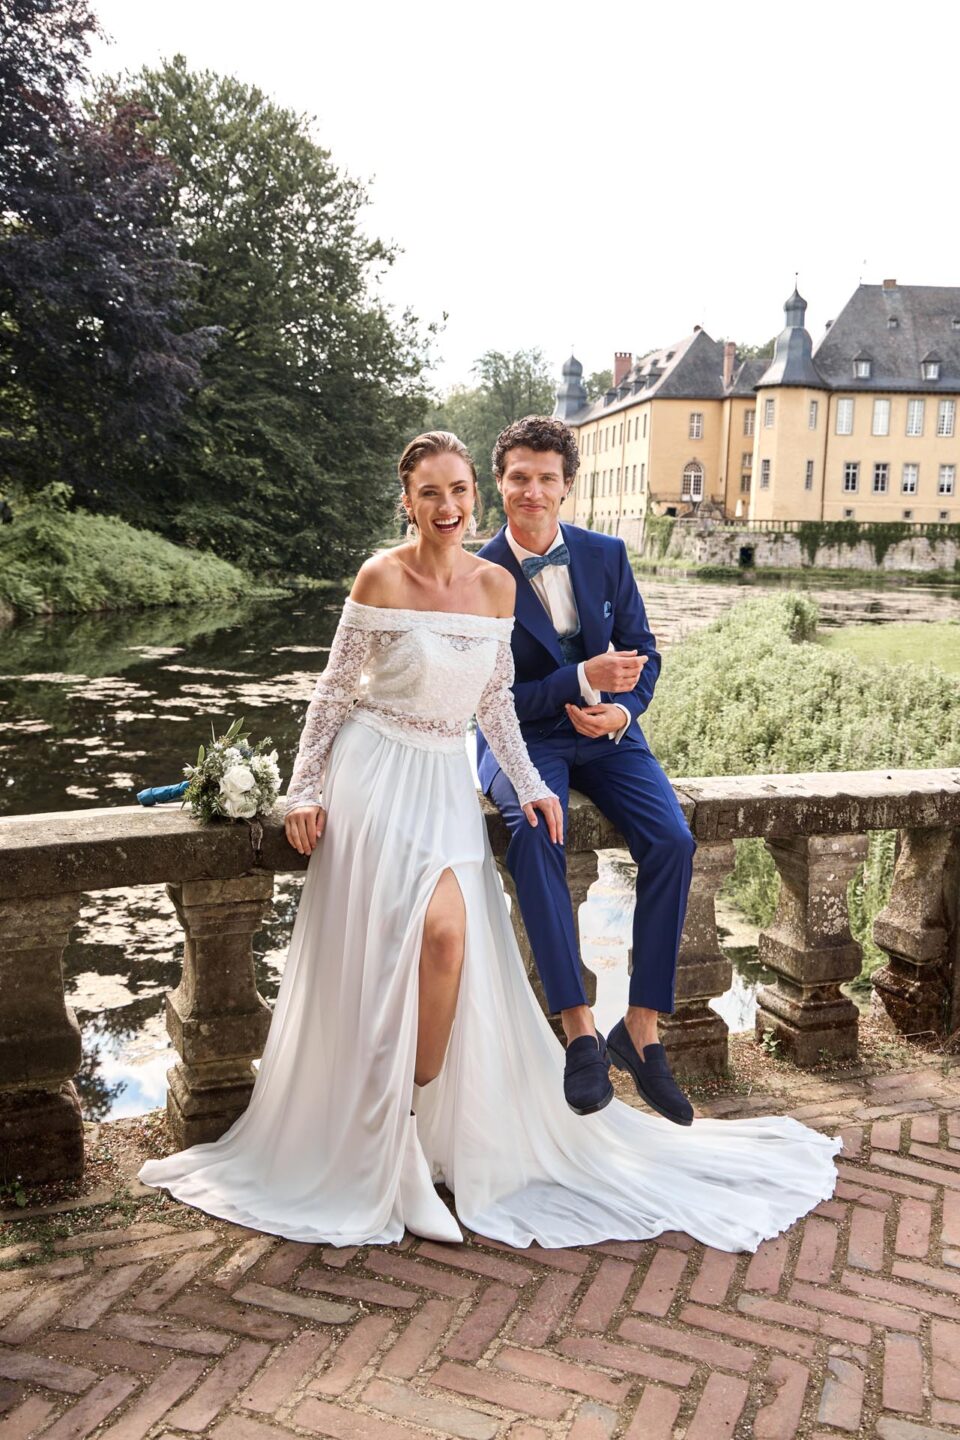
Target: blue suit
x,y
623,780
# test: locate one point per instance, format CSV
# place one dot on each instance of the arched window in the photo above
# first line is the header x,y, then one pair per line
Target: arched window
x,y
692,482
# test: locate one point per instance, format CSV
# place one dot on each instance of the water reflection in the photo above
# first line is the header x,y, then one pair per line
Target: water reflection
x,y
606,922
123,956
92,708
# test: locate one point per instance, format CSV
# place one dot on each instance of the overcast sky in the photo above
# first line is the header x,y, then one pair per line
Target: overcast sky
x,y
606,177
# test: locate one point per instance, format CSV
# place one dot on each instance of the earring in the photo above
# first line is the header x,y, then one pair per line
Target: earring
x,y
472,524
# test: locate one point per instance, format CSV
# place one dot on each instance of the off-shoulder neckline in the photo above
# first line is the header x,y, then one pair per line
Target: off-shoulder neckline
x,y
453,614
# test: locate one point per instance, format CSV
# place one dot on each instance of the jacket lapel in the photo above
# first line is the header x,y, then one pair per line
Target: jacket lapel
x,y
529,611
586,575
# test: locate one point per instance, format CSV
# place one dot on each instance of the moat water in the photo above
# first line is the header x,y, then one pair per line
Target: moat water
x,y
94,708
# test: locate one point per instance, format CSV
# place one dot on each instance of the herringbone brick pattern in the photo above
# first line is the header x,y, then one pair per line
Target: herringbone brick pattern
x,y
848,1325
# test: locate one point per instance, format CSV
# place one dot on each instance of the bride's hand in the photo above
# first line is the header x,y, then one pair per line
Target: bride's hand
x,y
304,826
553,814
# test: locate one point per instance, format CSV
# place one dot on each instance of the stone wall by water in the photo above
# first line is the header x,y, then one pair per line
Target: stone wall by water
x,y
708,543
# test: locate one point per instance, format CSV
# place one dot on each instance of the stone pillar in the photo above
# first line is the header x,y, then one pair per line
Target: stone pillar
x,y
216,1018
582,870
810,947
695,1036
914,929
41,1130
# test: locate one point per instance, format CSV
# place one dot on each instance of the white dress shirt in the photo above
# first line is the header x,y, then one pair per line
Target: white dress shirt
x,y
554,589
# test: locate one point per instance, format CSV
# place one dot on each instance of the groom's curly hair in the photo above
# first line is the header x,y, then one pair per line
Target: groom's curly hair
x,y
538,432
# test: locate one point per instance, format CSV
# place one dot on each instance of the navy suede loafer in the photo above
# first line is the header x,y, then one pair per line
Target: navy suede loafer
x,y
651,1075
586,1075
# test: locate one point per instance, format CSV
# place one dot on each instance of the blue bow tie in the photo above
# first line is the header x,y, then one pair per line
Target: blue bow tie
x,y
560,555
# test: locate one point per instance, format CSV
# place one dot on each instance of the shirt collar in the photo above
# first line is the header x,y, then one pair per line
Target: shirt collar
x,y
521,554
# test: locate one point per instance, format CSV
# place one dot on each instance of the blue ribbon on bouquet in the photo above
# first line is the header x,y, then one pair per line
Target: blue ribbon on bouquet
x,y
159,794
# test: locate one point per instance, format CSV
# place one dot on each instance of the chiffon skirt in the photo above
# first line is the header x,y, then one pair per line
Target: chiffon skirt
x,y
326,1150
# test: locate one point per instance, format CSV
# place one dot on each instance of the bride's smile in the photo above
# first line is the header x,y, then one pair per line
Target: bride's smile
x,y
440,499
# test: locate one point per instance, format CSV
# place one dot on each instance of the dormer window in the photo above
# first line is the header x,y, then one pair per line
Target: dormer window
x,y
862,366
893,323
955,323
930,369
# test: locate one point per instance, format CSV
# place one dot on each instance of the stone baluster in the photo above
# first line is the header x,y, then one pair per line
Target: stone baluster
x,y
695,1036
916,929
216,1018
41,1129
810,948
582,871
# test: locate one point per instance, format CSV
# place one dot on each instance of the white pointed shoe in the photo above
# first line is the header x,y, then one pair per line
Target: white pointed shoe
x,y
422,1210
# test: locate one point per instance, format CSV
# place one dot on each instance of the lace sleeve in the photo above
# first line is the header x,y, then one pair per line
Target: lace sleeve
x,y
332,699
497,718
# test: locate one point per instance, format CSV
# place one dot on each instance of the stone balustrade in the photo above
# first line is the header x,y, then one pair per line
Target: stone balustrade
x,y
221,877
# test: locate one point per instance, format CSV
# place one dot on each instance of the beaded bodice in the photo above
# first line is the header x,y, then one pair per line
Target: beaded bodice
x,y
417,676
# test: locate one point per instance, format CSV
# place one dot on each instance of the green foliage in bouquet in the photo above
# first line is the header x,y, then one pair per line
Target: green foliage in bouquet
x,y
232,779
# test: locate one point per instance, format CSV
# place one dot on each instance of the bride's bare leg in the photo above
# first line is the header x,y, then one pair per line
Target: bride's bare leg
x,y
441,961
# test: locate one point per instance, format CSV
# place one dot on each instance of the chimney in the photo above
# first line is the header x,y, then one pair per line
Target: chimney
x,y
622,361
889,284
729,360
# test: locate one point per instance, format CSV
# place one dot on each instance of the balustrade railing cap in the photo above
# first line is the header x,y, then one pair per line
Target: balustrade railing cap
x,y
732,807
79,850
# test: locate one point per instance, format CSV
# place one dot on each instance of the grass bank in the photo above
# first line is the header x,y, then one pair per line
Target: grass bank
x,y
754,693
936,643
53,560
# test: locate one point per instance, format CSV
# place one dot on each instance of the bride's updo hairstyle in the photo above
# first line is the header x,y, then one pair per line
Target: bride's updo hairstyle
x,y
436,442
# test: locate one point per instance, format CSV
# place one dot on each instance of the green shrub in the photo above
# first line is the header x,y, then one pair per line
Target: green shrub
x,y
752,694
54,560
657,530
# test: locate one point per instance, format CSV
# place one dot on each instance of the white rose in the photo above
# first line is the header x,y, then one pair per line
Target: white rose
x,y
239,807
237,780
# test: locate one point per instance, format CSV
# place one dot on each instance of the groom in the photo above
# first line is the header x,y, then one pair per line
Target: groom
x,y
586,665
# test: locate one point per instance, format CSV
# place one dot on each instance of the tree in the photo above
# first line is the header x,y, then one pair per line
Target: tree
x,y
94,361
44,46
754,352
509,387
287,455
599,383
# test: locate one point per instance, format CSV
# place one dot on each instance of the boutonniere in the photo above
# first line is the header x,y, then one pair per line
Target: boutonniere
x,y
607,609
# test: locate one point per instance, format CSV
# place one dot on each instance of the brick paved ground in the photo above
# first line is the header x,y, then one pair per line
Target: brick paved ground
x,y
163,1323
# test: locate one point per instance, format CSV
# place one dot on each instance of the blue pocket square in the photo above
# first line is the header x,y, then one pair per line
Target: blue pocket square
x,y
607,609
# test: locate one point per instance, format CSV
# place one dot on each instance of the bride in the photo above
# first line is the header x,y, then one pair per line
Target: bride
x,y
406,1045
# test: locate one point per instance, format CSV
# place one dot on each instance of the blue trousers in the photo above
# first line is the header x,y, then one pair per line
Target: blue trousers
x,y
628,786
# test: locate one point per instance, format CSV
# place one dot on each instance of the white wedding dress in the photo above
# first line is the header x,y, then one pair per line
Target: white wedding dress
x,y
327,1149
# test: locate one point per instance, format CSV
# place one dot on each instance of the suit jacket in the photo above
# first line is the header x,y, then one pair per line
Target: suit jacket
x,y
610,609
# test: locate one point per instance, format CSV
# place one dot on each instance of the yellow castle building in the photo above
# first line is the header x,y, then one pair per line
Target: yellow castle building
x,y
861,427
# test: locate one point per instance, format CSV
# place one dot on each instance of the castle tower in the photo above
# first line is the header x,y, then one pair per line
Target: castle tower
x,y
791,420
572,394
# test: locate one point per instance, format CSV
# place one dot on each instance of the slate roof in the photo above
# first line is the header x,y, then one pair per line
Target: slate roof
x,y
572,393
690,369
747,376
928,320
792,362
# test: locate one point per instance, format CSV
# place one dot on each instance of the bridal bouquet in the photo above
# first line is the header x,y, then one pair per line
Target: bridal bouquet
x,y
232,778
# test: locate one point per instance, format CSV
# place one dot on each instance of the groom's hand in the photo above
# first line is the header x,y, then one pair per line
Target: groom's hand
x,y
595,720
615,672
